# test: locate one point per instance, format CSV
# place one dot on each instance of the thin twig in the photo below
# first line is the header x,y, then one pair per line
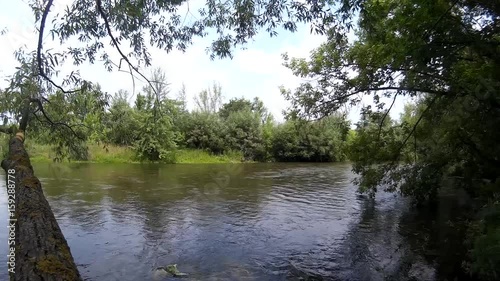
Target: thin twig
x,y
385,116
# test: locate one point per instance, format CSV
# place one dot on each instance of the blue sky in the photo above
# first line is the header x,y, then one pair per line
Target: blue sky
x,y
254,72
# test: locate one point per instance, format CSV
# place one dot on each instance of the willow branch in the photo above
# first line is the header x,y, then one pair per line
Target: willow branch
x,y
39,49
385,116
338,99
117,46
401,88
52,123
414,128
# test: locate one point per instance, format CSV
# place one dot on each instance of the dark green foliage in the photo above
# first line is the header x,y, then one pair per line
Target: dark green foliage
x,y
439,54
235,105
156,126
205,131
286,143
122,121
242,104
445,54
244,133
319,141
156,138
484,241
72,122
245,128
268,128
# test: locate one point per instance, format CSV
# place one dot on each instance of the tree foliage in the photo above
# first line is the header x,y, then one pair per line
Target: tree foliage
x,y
122,121
205,131
444,54
133,27
156,139
319,141
244,133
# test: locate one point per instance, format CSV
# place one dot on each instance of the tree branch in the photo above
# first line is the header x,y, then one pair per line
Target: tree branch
x,y
41,72
117,47
52,124
395,88
414,128
7,130
385,116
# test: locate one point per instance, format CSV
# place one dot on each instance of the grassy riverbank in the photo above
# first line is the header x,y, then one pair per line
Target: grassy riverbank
x,y
119,154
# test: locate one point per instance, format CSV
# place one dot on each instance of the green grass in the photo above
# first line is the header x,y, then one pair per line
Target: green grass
x,y
200,156
111,154
40,153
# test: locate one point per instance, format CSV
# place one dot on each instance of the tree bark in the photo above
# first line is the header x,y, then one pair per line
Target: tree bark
x,y
41,251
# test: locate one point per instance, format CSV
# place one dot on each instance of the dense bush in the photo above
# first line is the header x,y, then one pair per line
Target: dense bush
x,y
320,141
205,131
156,126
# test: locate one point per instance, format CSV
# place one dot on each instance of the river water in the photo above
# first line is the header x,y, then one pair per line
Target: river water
x,y
238,222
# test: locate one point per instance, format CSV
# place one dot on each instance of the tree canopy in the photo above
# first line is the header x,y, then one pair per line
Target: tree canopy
x,y
444,52
446,56
133,27
82,29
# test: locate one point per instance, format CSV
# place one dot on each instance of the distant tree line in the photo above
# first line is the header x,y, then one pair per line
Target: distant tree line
x,y
156,124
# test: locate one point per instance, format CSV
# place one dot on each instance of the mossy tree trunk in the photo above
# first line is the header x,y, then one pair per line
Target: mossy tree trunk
x,y
41,251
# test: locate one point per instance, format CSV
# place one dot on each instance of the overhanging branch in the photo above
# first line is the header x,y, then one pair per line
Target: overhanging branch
x,y
51,123
398,153
385,116
117,47
41,71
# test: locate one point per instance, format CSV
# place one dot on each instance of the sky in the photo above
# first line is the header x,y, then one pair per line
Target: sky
x,y
256,71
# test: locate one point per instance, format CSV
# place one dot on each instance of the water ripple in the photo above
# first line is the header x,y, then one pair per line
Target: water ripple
x,y
262,222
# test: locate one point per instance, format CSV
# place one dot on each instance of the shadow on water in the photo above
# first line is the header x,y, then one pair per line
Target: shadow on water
x,y
437,233
241,222
392,241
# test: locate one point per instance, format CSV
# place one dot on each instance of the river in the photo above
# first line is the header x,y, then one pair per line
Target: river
x,y
238,222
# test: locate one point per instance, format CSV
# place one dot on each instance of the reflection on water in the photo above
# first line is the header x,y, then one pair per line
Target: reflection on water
x,y
227,222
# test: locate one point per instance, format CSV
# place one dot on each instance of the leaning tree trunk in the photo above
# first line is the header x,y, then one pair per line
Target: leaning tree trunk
x,y
41,251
